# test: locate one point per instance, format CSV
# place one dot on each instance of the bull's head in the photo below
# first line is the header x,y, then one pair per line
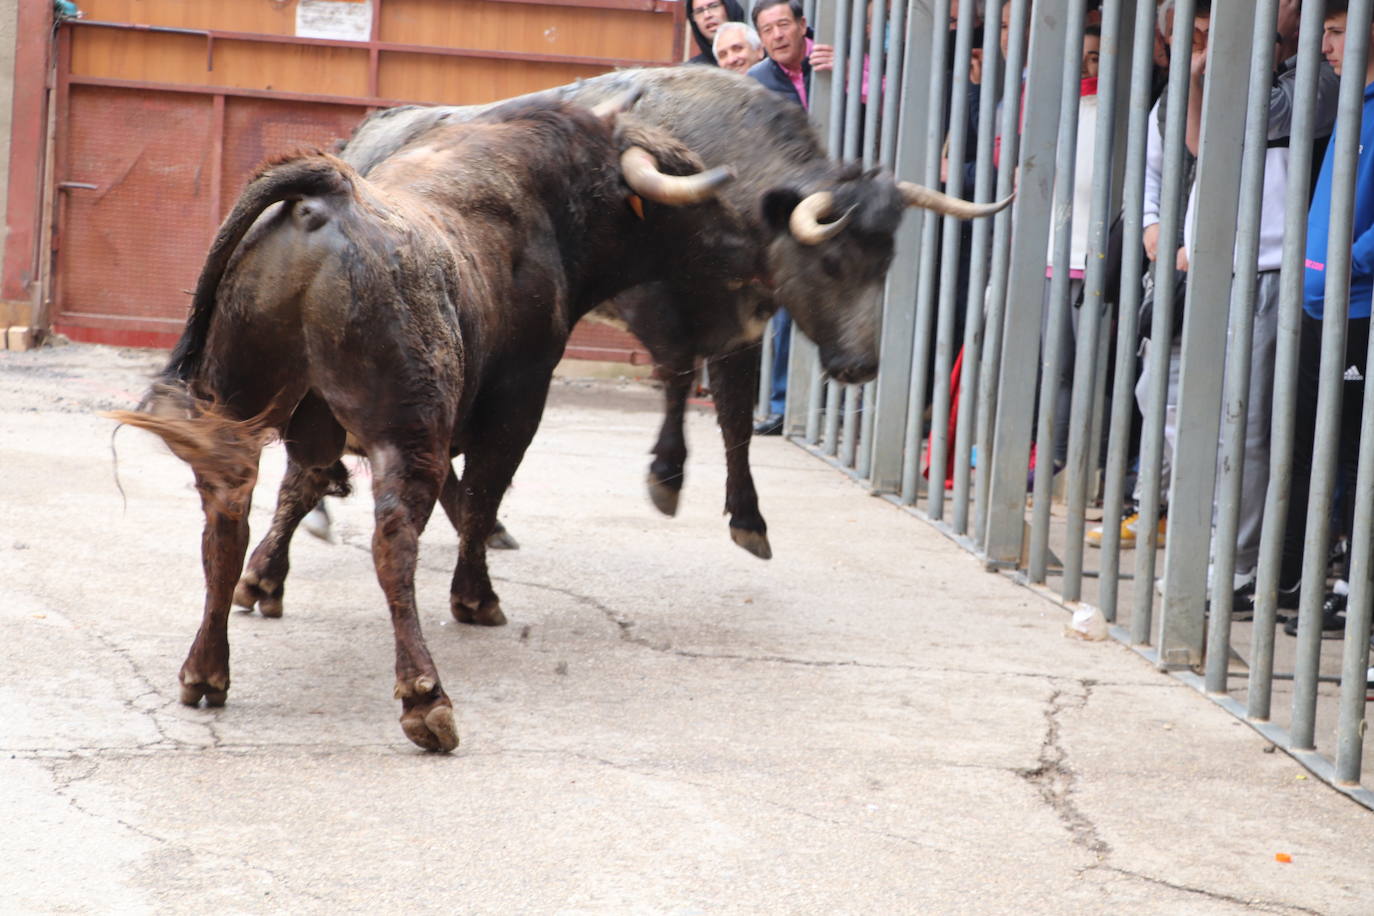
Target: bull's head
x,y
830,251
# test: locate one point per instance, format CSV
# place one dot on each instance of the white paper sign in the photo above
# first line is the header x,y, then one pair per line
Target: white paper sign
x,y
341,20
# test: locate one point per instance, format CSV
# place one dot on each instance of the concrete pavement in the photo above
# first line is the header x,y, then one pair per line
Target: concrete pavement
x,y
868,723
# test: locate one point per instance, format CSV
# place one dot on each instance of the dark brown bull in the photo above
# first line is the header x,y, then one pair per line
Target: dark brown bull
x,y
823,231
418,312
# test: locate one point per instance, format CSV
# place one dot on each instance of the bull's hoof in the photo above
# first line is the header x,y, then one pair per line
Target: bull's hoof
x,y
265,594
427,715
756,542
193,688
486,614
500,539
663,494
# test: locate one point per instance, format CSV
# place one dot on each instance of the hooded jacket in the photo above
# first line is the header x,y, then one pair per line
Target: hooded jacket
x,y
733,13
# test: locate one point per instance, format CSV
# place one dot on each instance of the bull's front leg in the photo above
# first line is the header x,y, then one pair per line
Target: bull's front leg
x,y
734,382
404,493
666,471
264,580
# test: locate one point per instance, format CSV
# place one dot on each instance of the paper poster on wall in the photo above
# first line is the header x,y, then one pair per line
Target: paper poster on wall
x,y
341,20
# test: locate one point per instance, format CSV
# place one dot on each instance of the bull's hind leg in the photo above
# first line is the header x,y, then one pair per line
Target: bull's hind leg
x,y
501,427
205,673
670,451
451,498
314,442
734,380
405,486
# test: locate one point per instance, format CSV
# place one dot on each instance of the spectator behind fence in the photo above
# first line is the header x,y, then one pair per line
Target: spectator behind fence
x,y
792,57
1347,443
737,46
707,16
1259,403
1153,349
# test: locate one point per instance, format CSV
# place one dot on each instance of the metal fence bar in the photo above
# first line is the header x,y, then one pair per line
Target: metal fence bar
x,y
1132,258
1057,305
1203,343
1021,335
949,266
1161,331
765,394
972,367
854,143
925,286
1335,307
1260,689
995,302
1239,349
1355,659
874,145
906,147
1084,439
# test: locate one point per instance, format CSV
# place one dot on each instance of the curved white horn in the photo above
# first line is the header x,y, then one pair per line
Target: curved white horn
x,y
642,175
806,224
917,195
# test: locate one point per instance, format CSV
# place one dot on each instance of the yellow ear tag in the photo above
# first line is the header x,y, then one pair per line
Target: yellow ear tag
x,y
637,205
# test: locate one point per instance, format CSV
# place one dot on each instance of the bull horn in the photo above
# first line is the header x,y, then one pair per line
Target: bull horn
x,y
917,195
806,224
642,175
623,101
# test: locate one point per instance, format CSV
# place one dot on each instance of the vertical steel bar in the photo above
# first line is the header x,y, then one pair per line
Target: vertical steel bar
x,y
1084,436
978,271
1132,257
925,288
1260,689
949,267
1203,343
765,373
1355,655
905,148
1161,331
854,121
878,96
1238,356
831,443
996,301
1021,336
1335,307
1061,229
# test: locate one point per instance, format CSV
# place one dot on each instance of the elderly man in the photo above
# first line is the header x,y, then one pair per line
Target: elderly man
x,y
737,46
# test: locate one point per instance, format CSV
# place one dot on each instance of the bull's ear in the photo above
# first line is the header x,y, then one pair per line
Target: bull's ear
x,y
778,205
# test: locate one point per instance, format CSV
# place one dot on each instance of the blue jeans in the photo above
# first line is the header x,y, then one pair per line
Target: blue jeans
x,y
781,323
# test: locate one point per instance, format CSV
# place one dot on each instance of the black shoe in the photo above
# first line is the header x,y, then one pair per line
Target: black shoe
x,y
1333,618
770,425
1244,601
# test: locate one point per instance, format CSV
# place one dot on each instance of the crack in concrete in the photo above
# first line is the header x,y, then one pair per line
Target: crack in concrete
x,y
1056,780
62,787
1267,906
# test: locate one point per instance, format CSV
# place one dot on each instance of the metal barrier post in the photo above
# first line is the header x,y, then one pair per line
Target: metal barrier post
x,y
907,149
949,264
1238,354
1132,259
1260,688
1084,439
978,273
995,300
925,288
853,133
1021,336
1217,190
1161,331
1335,307
1057,305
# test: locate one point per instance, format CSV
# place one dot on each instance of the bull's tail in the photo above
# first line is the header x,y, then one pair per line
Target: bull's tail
x,y
224,450
292,177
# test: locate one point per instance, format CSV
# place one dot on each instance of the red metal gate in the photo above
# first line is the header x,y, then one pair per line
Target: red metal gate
x,y
158,124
